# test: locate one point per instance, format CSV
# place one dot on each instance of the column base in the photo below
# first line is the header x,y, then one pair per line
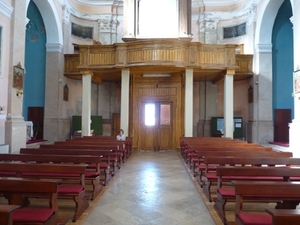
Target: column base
x,y
56,129
15,133
294,138
261,132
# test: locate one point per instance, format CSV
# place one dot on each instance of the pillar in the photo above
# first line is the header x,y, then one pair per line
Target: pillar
x,y
15,127
129,20
86,103
124,117
228,103
188,107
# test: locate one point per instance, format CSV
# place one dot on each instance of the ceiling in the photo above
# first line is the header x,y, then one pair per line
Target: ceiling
x,y
194,2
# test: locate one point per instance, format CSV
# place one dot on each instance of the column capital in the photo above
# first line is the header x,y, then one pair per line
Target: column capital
x,y
87,72
230,72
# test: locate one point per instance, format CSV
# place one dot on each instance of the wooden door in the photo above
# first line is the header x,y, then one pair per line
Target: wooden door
x,y
36,115
156,125
115,124
160,91
282,118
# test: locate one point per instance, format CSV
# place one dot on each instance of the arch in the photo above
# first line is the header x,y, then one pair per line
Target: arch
x,y
266,21
51,20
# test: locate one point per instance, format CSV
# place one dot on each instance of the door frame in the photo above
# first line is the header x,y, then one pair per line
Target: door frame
x,y
155,130
157,89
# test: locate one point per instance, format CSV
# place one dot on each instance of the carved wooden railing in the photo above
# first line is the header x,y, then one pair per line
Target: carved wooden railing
x,y
172,53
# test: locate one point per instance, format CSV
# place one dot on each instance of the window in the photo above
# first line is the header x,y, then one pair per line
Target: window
x,y
157,18
165,114
150,114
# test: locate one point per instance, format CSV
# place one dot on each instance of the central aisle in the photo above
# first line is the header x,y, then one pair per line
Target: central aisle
x,y
152,188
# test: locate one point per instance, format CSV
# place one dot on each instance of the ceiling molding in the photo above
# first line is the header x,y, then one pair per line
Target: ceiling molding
x,y
98,2
6,9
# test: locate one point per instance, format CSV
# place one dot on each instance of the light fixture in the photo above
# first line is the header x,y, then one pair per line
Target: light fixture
x,y
20,93
156,75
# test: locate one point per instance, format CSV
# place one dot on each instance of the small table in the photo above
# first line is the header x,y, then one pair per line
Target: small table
x,y
29,125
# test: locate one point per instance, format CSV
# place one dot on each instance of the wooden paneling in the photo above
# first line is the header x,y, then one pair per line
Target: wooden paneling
x,y
115,124
157,90
208,61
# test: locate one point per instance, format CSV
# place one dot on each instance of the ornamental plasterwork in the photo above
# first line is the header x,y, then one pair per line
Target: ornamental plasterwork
x,y
66,14
84,15
107,25
211,24
252,14
244,11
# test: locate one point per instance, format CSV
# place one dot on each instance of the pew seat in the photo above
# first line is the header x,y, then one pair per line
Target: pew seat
x,y
91,176
68,174
254,174
286,193
18,189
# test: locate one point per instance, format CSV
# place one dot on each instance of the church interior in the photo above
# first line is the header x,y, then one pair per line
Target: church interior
x,y
166,72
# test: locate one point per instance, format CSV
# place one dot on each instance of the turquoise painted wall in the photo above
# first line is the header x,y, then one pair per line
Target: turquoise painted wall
x,y
35,60
282,44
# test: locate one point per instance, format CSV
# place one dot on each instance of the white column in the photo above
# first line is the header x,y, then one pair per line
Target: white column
x,y
188,107
15,127
86,103
129,19
124,117
295,125
228,104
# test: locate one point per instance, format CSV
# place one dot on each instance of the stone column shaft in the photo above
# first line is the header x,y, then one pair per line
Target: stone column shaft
x,y
188,107
228,104
124,117
86,104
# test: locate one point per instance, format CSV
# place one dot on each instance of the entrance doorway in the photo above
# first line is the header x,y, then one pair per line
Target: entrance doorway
x,y
156,125
282,118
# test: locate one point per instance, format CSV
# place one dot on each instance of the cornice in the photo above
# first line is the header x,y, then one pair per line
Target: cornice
x,y
6,9
54,47
100,3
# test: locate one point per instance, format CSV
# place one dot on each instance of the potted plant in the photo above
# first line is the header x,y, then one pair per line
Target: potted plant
x,y
36,128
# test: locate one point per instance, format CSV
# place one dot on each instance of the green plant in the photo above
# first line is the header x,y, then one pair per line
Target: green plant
x,y
36,128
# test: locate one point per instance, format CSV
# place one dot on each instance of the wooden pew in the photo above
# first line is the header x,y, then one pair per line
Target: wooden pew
x,y
91,176
192,158
128,141
6,214
117,148
106,175
125,145
86,141
64,172
185,146
249,173
249,152
99,137
15,189
284,216
197,157
68,145
288,193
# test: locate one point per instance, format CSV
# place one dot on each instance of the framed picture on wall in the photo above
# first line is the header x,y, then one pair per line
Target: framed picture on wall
x,y
18,78
66,93
297,82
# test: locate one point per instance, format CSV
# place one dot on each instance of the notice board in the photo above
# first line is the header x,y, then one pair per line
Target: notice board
x,y
217,126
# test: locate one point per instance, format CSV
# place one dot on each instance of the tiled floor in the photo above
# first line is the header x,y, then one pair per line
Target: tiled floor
x,y
151,188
